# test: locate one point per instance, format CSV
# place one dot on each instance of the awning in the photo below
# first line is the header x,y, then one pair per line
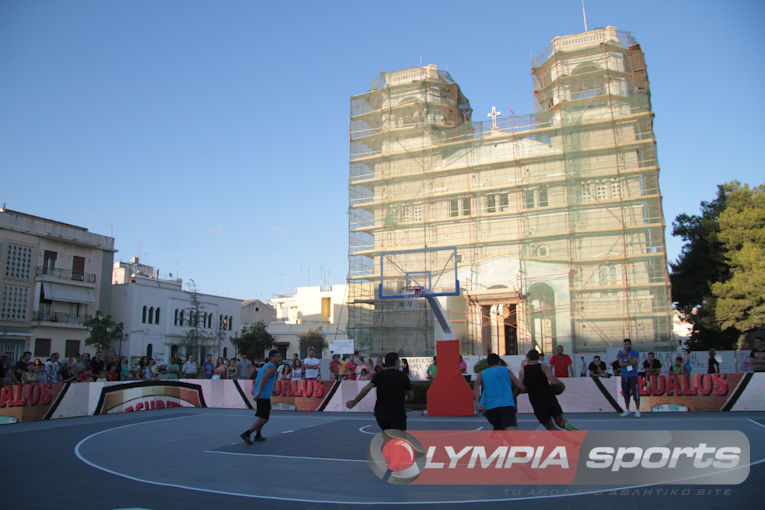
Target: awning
x,y
68,293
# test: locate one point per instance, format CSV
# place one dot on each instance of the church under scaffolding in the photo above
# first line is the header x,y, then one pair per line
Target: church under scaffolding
x,y
556,215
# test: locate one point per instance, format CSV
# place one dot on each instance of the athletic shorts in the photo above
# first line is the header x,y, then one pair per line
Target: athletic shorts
x,y
391,421
502,417
263,408
630,386
545,407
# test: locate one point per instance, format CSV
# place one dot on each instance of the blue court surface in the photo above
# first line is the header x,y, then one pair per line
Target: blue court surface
x,y
193,458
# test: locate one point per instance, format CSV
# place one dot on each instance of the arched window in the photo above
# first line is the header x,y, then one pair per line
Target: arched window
x,y
181,318
230,322
143,316
175,320
151,315
156,316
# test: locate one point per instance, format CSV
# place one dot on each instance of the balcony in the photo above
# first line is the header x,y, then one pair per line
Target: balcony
x,y
60,317
65,275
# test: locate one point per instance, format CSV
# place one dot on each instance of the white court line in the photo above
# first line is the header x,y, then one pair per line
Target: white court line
x,y
340,502
756,423
361,429
297,457
287,431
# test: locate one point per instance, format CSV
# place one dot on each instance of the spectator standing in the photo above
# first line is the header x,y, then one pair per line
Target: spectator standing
x,y
561,364
311,364
21,365
97,363
651,365
364,374
29,375
433,369
597,368
757,356
297,370
208,365
40,373
173,368
463,366
582,367
219,372
628,360
231,369
53,369
713,366
687,366
243,367
616,369
334,366
677,368
405,367
190,368
350,368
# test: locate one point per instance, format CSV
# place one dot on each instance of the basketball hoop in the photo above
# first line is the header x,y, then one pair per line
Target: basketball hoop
x,y
411,294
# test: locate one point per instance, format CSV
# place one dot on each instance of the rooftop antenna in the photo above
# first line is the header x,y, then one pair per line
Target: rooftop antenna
x,y
584,15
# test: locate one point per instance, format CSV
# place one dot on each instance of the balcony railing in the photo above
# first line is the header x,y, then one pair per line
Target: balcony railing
x,y
65,274
62,317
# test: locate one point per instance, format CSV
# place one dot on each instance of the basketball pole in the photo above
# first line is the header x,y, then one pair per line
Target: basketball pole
x,y
449,393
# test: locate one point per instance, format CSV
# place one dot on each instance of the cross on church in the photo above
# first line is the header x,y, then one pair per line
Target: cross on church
x,y
494,114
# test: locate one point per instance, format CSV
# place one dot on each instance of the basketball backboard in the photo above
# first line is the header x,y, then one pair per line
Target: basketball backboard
x,y
429,271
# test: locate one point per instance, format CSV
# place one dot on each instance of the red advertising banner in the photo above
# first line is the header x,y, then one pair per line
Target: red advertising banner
x,y
694,392
300,395
29,402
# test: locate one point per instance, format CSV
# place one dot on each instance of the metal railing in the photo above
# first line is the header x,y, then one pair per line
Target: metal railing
x,y
65,274
62,317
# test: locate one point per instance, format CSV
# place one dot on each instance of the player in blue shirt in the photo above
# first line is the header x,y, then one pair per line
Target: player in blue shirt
x,y
628,360
496,401
262,389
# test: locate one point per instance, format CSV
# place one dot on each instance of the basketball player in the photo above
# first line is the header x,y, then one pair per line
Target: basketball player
x,y
537,379
264,385
496,400
392,388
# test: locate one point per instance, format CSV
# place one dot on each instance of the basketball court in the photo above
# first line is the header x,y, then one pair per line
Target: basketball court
x,y
193,458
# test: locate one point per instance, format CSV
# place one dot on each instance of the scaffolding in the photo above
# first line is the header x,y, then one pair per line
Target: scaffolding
x,y
556,215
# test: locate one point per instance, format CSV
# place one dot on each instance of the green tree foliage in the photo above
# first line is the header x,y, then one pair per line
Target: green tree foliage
x,y
741,297
103,331
312,338
709,267
254,341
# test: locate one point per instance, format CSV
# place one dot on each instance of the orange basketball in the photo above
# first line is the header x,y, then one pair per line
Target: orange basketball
x,y
557,389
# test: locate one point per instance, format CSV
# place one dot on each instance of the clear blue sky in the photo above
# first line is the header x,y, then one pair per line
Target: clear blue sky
x,y
215,134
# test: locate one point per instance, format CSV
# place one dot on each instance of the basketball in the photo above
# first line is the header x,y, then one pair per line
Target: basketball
x,y
557,389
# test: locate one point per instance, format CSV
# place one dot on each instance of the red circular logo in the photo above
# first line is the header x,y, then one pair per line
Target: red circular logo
x,y
398,454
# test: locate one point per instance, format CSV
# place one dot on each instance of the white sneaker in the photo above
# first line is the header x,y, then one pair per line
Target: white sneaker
x,y
625,413
637,413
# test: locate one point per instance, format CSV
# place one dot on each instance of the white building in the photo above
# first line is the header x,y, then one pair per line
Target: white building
x,y
54,277
309,308
156,311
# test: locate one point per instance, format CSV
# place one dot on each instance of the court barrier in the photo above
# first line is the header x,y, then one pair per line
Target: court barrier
x,y
701,392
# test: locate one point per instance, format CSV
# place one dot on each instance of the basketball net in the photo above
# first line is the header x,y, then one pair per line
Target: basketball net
x,y
411,295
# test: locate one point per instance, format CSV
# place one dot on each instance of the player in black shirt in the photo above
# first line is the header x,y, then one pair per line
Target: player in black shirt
x,y
392,388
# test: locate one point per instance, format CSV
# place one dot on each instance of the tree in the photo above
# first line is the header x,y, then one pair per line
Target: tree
x,y
312,339
254,341
741,298
103,331
196,336
716,285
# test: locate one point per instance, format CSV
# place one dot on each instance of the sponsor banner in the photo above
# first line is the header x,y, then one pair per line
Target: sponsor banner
x,y
600,458
695,392
149,395
29,402
310,395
